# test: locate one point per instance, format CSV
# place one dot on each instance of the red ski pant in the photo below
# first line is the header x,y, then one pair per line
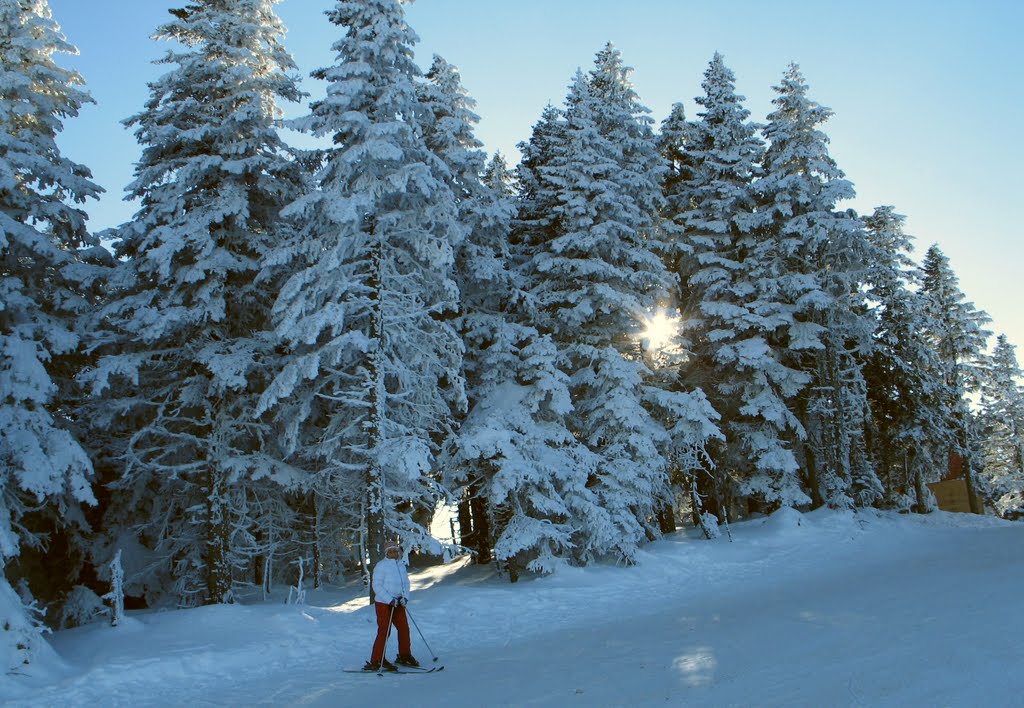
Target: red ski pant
x,y
398,618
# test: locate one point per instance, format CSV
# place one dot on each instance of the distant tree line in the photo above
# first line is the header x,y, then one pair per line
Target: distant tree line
x,y
293,355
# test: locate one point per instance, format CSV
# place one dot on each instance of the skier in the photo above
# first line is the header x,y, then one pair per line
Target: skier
x,y
391,594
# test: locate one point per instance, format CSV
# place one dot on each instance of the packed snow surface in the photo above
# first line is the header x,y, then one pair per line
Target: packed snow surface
x,y
820,609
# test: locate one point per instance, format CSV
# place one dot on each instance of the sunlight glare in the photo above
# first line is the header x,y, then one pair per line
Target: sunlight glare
x,y
661,329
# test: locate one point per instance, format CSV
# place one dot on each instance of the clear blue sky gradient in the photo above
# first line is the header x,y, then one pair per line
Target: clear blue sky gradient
x,y
927,94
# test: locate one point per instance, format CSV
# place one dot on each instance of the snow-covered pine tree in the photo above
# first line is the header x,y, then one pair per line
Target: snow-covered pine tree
x,y
44,290
726,294
1002,422
826,253
956,330
482,269
533,225
188,316
372,377
674,145
692,467
714,161
514,437
592,285
904,384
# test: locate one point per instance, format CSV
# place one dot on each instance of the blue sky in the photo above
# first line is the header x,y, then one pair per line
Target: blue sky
x,y
927,94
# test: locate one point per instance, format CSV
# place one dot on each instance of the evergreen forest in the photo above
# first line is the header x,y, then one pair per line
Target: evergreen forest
x,y
288,356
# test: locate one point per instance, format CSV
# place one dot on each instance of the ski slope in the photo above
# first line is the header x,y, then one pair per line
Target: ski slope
x,y
820,609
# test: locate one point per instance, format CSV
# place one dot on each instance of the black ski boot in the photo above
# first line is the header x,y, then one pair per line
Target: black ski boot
x,y
384,665
407,660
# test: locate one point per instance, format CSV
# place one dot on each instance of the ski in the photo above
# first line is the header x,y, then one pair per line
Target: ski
x,y
419,669
402,670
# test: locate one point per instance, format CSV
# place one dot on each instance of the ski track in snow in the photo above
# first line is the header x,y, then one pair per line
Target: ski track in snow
x,y
820,609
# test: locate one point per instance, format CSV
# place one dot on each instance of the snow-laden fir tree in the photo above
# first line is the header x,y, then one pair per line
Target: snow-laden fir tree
x,y
825,254
1002,421
372,377
713,162
592,279
673,144
534,223
533,468
514,439
726,295
188,351
906,391
482,270
45,285
956,330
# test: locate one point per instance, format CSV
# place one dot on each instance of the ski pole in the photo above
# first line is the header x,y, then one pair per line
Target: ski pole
x,y
384,652
409,615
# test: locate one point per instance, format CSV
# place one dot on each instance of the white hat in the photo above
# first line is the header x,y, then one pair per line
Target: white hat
x,y
392,544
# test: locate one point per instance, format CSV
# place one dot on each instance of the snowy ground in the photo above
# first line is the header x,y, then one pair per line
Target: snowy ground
x,y
822,609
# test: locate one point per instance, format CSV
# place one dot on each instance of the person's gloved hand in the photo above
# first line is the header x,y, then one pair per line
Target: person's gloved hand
x,y
403,601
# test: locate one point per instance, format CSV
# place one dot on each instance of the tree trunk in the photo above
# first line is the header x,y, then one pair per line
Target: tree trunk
x,y
968,468
812,479
513,570
502,515
375,531
709,490
465,512
311,524
703,500
919,490
666,517
481,526
318,580
975,502
261,565
215,557
375,496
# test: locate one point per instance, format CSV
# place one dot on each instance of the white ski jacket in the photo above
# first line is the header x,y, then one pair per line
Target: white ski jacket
x,y
390,580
